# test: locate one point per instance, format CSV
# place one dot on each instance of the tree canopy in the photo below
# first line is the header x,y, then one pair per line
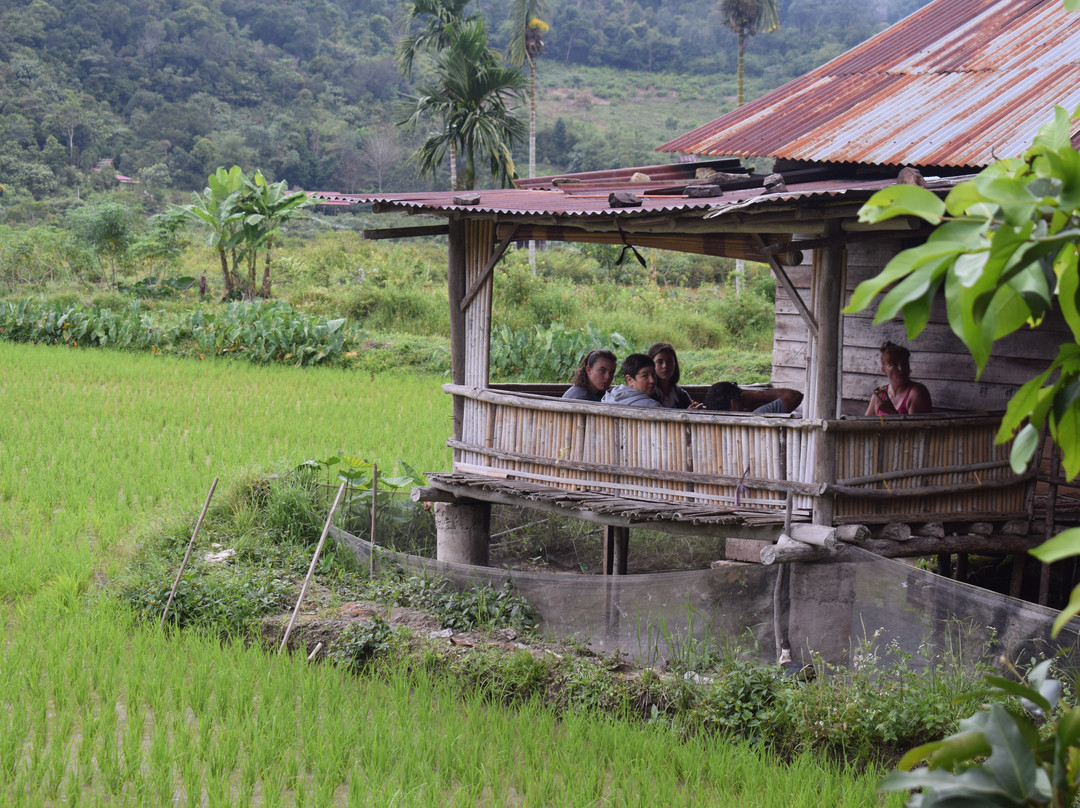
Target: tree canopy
x,y
185,86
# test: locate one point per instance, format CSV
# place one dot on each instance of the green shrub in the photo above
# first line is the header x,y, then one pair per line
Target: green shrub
x,y
743,701
482,607
402,308
219,598
359,643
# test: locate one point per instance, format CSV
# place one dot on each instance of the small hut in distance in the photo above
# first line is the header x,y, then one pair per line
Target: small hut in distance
x,y
940,94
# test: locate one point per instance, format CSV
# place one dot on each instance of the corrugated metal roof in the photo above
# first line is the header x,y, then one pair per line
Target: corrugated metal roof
x,y
957,83
573,202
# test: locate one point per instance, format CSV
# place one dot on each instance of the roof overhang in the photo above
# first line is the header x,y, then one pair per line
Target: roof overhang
x,y
689,207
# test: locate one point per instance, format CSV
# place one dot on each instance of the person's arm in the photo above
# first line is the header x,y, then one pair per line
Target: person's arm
x,y
791,398
879,400
919,401
753,399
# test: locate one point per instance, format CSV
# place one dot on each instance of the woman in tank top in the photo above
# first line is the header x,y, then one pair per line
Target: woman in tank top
x,y
901,396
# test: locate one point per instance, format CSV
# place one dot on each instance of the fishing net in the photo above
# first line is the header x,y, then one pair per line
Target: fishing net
x,y
834,611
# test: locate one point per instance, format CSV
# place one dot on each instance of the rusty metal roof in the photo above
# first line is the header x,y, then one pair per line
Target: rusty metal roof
x,y
957,83
582,201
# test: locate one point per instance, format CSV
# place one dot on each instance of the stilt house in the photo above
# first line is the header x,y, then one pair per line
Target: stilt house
x,y
942,93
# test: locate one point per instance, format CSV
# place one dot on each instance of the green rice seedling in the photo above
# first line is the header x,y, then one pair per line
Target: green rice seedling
x,y
161,775
191,776
107,756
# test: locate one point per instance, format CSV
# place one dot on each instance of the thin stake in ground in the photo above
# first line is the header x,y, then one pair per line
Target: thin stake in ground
x,y
311,569
187,555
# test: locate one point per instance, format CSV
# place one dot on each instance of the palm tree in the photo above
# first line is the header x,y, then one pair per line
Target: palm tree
x,y
440,18
527,42
470,99
745,18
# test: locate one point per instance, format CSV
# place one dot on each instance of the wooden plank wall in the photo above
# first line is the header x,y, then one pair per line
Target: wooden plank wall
x,y
939,359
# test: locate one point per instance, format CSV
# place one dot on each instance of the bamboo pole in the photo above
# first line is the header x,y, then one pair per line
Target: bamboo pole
x,y
311,569
187,555
374,506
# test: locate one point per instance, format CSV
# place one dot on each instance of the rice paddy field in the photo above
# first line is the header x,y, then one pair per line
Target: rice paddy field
x,y
98,710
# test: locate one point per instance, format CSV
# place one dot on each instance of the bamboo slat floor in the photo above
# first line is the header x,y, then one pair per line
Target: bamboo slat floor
x,y
600,507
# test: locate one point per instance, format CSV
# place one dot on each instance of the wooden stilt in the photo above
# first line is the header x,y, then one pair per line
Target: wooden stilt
x,y
1051,504
944,565
1016,585
962,567
621,550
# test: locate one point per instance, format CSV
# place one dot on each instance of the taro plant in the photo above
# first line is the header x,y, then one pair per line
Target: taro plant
x,y
548,354
1006,754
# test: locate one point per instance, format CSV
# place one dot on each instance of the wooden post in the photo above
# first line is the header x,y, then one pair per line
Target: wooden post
x,y
962,567
616,549
1048,532
456,287
828,294
622,550
1016,584
944,565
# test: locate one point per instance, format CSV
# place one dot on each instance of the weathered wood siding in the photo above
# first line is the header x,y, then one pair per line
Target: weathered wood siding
x,y
938,359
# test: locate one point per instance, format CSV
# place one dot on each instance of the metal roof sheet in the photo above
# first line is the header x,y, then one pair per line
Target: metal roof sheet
x,y
957,83
511,203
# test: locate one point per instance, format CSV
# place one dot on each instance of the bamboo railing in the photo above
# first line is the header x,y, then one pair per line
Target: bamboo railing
x,y
916,468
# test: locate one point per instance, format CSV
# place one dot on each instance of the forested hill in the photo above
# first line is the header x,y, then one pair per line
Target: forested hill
x,y
306,89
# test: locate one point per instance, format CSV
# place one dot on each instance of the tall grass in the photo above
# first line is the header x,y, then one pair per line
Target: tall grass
x,y
98,710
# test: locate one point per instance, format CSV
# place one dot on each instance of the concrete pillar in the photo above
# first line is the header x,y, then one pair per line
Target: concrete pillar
x,y
463,532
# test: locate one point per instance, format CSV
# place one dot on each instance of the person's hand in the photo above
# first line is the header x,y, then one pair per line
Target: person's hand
x,y
884,402
696,405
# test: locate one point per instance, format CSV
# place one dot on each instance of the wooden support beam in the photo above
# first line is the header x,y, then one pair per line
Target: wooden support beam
x,y
733,245
788,551
944,565
1016,583
962,567
405,232
828,285
918,546
817,535
789,287
488,268
853,534
749,550
426,493
456,292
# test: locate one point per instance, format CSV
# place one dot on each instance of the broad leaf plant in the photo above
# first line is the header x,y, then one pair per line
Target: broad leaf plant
x,y
1004,252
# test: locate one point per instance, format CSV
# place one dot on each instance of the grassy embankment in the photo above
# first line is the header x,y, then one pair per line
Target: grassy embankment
x,y
100,711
